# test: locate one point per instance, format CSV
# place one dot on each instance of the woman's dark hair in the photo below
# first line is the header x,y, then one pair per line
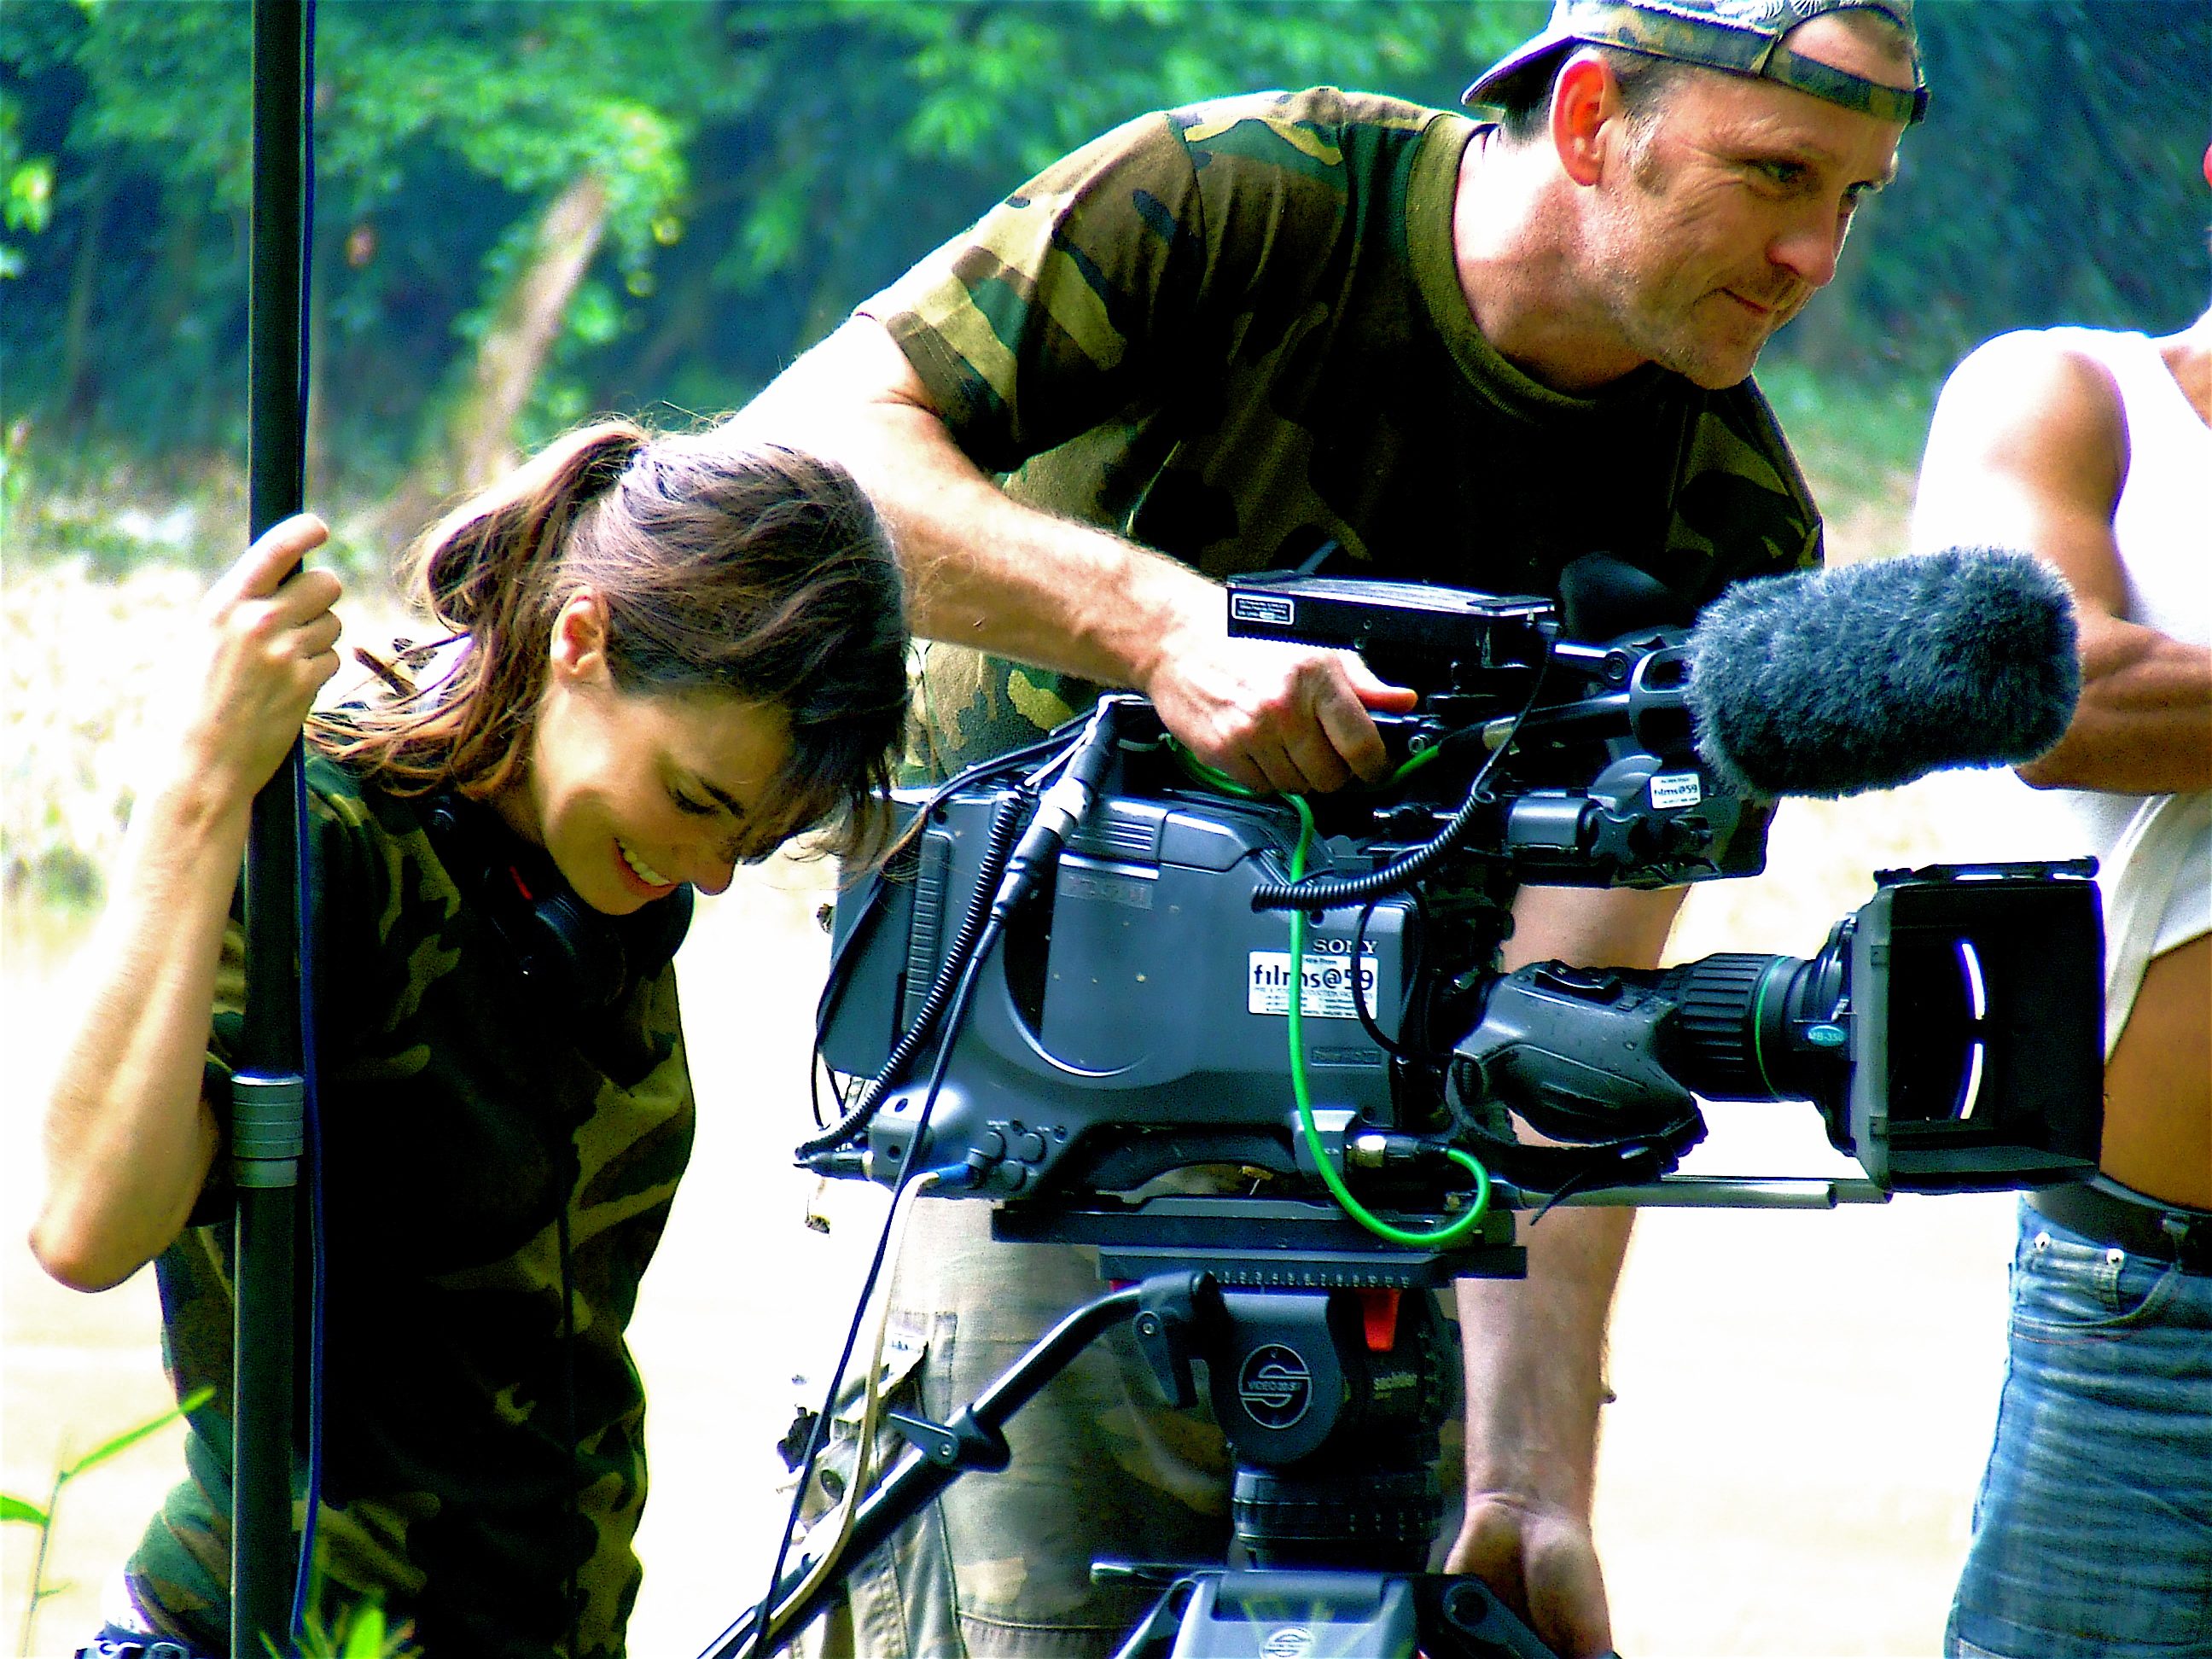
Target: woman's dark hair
x,y
757,573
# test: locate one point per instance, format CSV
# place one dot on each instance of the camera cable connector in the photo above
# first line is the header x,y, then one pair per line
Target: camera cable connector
x,y
1433,1238
1317,1148
815,1154
831,1153
1066,803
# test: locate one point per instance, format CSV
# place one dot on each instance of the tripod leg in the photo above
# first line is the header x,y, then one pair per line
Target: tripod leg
x,y
1155,1634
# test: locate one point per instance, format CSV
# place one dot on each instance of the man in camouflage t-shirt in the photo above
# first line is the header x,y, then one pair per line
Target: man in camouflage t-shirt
x,y
1300,246
1220,339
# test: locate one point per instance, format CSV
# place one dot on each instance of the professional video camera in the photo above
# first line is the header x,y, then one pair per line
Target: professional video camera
x,y
1096,976
1135,1019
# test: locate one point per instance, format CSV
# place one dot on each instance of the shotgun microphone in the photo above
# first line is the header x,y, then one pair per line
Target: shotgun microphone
x,y
1828,683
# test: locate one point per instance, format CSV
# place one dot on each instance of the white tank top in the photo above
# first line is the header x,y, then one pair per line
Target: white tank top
x,y
2163,526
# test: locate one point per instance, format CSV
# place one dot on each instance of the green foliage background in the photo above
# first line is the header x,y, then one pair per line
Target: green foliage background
x,y
769,164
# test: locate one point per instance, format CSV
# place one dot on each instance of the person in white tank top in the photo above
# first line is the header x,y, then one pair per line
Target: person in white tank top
x,y
2093,1529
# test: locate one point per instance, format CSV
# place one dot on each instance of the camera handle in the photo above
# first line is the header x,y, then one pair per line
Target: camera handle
x,y
941,1454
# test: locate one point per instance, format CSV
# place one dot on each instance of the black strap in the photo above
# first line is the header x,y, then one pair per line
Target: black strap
x,y
582,960
2157,1232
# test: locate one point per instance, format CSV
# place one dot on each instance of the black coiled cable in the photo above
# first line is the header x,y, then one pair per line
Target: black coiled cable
x,y
1332,892
834,985
1005,825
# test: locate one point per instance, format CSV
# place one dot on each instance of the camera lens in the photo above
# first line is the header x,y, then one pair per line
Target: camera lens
x,y
1758,1027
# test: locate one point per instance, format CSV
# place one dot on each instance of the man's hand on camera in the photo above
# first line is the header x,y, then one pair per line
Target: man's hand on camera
x,y
1286,718
1543,1565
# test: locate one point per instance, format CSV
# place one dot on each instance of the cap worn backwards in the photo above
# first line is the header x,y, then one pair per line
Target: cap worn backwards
x,y
1743,37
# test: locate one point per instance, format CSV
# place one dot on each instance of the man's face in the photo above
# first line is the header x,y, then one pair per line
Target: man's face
x,y
1729,208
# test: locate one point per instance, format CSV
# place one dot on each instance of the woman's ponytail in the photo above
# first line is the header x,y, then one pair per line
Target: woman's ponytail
x,y
487,572
466,569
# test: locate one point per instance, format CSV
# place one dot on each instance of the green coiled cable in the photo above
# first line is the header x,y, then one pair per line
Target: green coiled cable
x,y
1461,1226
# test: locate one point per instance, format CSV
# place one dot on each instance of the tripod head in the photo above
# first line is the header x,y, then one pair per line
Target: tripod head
x,y
1330,1397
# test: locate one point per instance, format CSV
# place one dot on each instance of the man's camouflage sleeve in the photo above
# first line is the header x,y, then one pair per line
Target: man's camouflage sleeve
x,y
1123,270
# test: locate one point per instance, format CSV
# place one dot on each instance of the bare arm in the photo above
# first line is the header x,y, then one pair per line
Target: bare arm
x,y
129,1138
2029,449
1535,1347
987,571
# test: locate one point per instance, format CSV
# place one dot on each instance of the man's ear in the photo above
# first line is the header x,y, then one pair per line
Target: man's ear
x,y
578,649
1586,106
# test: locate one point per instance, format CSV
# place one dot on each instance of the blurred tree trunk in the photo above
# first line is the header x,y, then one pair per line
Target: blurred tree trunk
x,y
80,385
478,435
181,223
523,331
687,320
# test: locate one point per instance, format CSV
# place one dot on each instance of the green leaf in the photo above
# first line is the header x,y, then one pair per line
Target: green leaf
x,y
364,1637
29,205
131,1437
13,1508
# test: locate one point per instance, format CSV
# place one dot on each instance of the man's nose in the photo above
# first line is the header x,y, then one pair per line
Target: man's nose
x,y
1809,249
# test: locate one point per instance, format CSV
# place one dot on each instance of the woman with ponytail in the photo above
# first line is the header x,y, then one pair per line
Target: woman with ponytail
x,y
662,658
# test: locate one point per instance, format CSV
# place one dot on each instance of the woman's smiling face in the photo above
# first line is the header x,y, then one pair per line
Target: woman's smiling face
x,y
633,794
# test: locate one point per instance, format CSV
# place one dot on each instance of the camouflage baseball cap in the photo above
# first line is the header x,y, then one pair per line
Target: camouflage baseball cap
x,y
1743,37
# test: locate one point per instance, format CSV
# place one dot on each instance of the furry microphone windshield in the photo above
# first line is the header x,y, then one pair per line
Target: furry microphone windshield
x,y
1866,677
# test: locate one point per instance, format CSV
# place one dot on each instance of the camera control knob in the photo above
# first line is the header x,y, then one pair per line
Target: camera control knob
x,y
991,1144
1028,1146
1592,984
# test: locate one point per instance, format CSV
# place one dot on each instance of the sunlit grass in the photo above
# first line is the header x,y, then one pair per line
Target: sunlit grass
x,y
92,671
1867,428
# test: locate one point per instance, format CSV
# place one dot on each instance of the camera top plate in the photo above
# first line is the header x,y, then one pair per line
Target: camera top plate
x,y
1259,1243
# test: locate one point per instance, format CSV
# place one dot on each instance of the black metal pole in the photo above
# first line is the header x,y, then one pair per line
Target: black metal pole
x,y
267,1106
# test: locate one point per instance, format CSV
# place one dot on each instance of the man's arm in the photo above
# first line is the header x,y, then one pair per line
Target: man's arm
x,y
985,570
2029,449
1535,1347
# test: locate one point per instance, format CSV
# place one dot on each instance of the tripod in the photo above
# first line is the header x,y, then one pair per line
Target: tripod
x,y
1329,1372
